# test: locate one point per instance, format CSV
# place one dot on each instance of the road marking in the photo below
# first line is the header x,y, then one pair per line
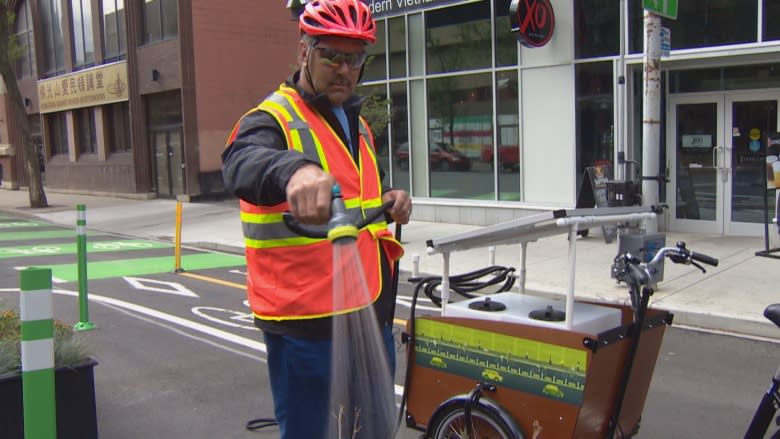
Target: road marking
x,y
144,266
72,248
144,284
214,280
203,311
42,234
149,312
19,224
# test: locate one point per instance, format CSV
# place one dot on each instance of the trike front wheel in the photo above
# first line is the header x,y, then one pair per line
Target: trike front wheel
x,y
488,421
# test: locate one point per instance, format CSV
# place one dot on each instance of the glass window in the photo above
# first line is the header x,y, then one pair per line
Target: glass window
x,y
594,115
57,133
701,23
376,65
376,112
508,130
459,38
460,125
771,17
118,127
506,42
160,20
23,30
397,47
114,30
83,41
51,37
399,127
725,78
596,28
85,127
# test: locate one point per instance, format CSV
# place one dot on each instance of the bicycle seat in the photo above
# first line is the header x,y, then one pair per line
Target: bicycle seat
x,y
772,312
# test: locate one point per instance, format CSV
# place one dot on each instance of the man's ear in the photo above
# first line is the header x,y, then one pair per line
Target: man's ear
x,y
303,49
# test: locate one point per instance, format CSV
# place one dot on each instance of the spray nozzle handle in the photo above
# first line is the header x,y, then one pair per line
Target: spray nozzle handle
x,y
338,217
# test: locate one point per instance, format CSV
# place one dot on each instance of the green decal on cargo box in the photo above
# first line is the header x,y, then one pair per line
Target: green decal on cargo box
x,y
544,369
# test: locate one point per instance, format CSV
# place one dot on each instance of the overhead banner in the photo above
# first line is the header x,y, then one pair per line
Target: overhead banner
x,y
86,88
384,8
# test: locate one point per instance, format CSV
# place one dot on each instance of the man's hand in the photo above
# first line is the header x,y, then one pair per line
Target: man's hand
x,y
401,210
309,194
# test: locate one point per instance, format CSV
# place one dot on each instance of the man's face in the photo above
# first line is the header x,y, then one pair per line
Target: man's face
x,y
334,64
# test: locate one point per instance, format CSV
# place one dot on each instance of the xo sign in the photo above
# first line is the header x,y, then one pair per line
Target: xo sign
x,y
533,20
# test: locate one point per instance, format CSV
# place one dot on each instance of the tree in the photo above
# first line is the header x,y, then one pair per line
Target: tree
x,y
10,50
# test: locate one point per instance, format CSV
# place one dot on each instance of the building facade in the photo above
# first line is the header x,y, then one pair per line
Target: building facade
x,y
482,128
485,129
136,97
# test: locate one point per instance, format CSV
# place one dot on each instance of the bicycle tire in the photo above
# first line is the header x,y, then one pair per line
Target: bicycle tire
x,y
489,421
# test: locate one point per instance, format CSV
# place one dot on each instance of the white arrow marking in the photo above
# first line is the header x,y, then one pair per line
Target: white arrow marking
x,y
166,287
242,273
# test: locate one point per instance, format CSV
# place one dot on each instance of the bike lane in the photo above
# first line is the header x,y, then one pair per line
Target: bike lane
x,y
178,353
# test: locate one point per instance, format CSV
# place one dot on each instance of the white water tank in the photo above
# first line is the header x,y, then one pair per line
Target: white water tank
x,y
588,318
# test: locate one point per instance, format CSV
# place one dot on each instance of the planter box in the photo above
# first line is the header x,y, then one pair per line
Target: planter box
x,y
75,395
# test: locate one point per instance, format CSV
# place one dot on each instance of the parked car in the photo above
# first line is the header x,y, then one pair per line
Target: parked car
x,y
508,156
443,156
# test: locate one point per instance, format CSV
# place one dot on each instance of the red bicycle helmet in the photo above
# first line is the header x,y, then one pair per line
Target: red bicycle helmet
x,y
338,18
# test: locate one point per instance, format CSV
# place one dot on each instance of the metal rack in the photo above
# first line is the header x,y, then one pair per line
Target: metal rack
x,y
532,228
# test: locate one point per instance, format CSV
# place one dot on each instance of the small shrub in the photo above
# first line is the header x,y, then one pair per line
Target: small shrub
x,y
69,347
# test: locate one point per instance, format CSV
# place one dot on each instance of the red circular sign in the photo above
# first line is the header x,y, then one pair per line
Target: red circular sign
x,y
533,20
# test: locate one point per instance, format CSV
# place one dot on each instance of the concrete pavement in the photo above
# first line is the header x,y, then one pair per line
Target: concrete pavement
x,y
730,297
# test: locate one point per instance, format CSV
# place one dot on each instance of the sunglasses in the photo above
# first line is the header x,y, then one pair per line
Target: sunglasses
x,y
334,58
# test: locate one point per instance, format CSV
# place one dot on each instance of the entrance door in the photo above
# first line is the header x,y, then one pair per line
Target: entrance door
x,y
717,161
169,162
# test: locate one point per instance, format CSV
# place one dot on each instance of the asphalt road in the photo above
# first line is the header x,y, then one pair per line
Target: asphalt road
x,y
179,358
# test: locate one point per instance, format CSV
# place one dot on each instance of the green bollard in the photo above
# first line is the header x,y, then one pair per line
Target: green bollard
x,y
38,398
81,245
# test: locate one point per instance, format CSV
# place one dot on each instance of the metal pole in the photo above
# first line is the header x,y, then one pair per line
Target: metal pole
x,y
81,246
651,112
177,247
40,410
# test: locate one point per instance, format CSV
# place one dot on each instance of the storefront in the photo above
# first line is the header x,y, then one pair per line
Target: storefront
x,y
135,98
484,128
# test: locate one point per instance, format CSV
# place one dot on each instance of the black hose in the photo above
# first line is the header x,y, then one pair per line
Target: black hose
x,y
310,232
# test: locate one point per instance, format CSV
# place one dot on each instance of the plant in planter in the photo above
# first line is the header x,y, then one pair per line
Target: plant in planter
x,y
74,382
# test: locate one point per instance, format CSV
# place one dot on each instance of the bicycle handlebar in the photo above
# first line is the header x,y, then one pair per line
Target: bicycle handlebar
x,y
681,255
704,258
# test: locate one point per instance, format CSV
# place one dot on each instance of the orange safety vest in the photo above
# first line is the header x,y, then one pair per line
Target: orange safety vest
x,y
290,276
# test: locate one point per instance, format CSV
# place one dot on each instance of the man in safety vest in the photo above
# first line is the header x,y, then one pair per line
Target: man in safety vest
x,y
286,154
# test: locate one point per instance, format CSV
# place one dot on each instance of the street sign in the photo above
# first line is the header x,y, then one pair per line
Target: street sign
x,y
664,8
666,41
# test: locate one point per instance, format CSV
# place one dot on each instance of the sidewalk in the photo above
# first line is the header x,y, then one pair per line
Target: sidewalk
x,y
730,297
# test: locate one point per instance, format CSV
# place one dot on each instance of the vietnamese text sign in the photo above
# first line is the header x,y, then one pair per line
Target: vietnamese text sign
x,y
86,88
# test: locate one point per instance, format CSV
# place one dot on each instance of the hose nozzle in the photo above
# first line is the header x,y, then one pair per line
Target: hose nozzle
x,y
341,229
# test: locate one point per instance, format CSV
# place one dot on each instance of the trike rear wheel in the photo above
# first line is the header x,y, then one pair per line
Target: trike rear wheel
x,y
487,422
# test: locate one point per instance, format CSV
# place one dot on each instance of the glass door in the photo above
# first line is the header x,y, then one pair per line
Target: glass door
x,y
169,162
751,117
717,161
696,144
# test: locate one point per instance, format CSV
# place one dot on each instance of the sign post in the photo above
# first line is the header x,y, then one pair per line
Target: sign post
x,y
664,8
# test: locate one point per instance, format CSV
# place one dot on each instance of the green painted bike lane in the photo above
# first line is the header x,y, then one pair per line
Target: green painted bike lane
x,y
103,269
71,248
144,266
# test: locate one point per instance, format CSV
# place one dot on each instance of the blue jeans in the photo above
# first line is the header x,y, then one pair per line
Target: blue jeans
x,y
299,371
